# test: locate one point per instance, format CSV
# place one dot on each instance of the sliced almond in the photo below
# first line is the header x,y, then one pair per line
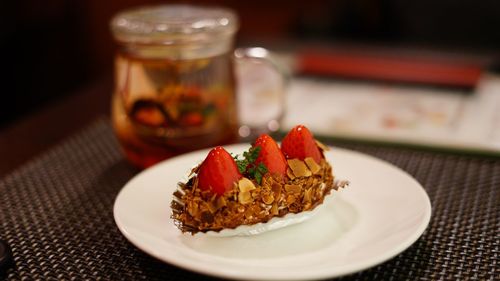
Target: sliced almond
x,y
221,202
312,165
307,196
274,209
268,198
307,206
292,188
267,181
315,181
241,209
310,181
192,209
245,185
263,214
177,206
290,174
299,168
255,194
245,197
322,146
249,213
276,188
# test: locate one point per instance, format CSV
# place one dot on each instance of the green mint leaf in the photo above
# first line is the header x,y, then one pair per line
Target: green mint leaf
x,y
241,166
251,171
260,171
262,168
247,166
253,154
258,177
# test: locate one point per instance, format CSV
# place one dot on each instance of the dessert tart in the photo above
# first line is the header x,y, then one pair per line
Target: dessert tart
x,y
267,187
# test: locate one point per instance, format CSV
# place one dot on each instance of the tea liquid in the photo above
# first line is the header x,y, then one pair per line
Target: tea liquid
x,y
162,108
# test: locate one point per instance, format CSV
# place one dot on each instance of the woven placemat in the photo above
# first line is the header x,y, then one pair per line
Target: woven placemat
x,y
56,213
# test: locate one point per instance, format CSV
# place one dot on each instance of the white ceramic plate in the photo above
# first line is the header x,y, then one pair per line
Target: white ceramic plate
x,y
380,214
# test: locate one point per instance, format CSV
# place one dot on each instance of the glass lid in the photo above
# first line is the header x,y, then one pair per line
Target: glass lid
x,y
173,24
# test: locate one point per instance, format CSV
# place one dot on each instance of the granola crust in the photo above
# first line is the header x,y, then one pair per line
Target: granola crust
x,y
303,188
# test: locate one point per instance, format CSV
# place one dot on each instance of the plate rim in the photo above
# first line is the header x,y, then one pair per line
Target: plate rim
x,y
340,271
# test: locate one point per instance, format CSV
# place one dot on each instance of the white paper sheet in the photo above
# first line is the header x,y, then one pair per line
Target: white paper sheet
x,y
403,114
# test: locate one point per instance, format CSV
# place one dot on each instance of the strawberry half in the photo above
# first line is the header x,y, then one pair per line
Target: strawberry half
x,y
270,155
300,143
218,172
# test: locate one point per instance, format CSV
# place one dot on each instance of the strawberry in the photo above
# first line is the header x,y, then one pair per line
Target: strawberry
x,y
218,172
270,155
300,143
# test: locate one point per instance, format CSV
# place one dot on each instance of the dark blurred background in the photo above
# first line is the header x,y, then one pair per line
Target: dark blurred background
x,y
53,48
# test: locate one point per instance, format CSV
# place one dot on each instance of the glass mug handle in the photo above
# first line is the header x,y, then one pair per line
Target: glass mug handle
x,y
262,82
